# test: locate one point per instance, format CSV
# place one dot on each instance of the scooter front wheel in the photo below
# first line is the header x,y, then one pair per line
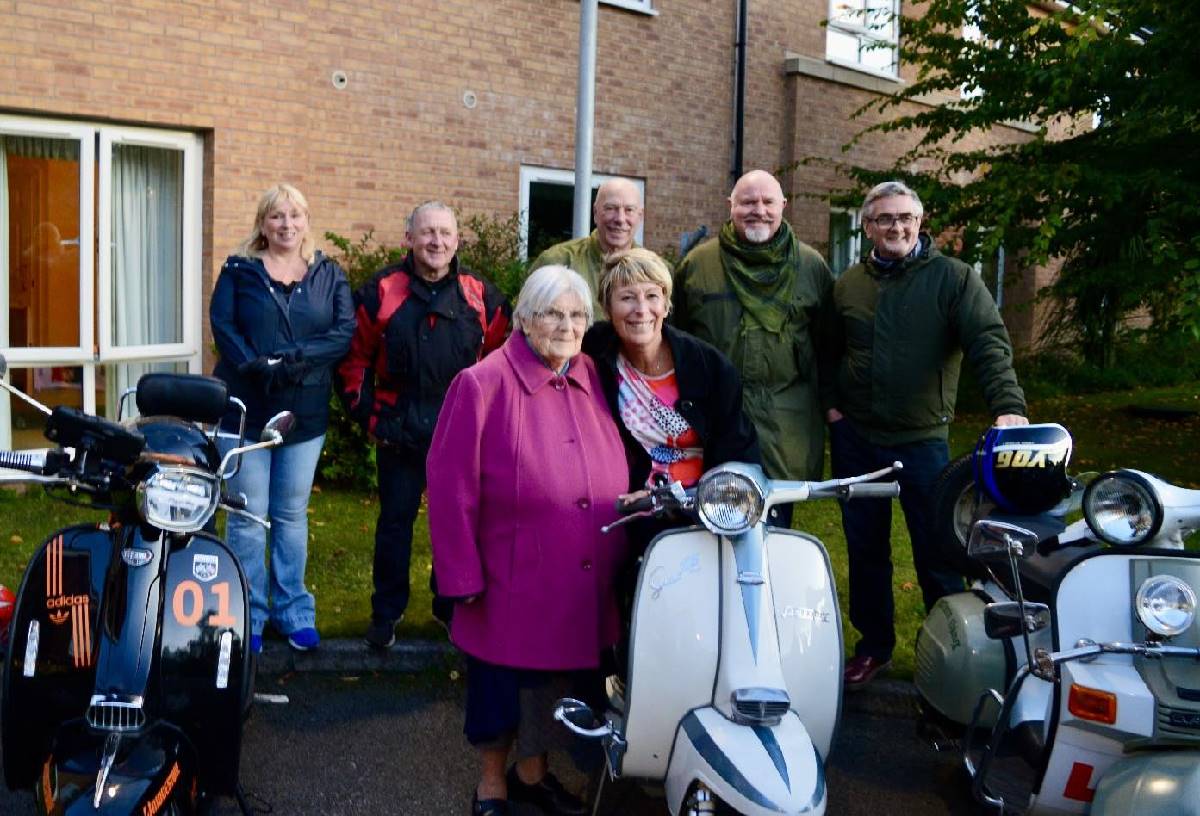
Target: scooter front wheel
x,y
956,506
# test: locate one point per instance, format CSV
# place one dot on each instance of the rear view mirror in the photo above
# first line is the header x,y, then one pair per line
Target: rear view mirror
x,y
989,537
279,426
1007,620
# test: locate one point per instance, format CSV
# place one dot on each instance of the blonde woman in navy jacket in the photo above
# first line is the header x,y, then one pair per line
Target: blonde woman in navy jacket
x,y
282,317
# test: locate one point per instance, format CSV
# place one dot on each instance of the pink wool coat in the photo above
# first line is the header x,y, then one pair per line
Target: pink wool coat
x,y
524,469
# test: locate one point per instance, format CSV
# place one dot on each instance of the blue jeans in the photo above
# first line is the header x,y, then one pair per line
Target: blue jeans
x,y
277,483
868,525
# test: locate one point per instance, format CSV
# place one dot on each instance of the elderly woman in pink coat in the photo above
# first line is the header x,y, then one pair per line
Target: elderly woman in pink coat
x,y
525,467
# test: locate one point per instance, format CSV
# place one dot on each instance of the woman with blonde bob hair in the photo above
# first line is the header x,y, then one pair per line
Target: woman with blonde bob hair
x,y
282,317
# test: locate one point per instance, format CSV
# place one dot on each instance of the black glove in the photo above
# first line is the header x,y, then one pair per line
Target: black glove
x,y
260,370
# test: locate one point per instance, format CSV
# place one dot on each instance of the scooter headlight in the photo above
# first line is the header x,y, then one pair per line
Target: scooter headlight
x,y
729,502
178,499
1165,605
1122,508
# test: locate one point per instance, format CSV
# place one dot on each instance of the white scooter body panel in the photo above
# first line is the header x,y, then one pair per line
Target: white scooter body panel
x,y
809,628
759,771
676,614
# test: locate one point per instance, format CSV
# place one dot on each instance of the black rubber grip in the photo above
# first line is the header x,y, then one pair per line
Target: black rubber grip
x,y
637,506
28,462
873,490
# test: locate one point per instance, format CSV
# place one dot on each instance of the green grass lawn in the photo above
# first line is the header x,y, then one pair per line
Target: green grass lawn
x,y
342,522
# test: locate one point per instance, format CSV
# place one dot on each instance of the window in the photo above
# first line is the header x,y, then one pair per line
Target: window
x,y
547,207
863,34
644,6
991,269
99,263
847,244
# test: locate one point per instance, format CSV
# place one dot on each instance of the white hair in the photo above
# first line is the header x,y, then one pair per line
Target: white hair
x,y
544,286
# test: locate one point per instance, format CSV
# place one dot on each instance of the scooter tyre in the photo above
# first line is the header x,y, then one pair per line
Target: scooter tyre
x,y
955,506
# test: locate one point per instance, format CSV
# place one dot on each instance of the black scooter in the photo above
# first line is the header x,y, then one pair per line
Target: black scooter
x,y
129,672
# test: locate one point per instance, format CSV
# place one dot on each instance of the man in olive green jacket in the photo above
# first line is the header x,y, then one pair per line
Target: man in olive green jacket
x,y
618,214
756,292
902,321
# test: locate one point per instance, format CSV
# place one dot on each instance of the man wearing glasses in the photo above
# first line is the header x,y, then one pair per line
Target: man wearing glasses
x,y
903,318
618,214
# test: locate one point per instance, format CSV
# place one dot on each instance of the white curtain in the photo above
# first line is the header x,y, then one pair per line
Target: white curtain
x,y
147,257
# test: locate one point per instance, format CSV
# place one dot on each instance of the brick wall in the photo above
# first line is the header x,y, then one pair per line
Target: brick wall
x,y
256,80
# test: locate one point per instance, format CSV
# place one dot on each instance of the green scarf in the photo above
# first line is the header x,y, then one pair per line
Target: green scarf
x,y
763,276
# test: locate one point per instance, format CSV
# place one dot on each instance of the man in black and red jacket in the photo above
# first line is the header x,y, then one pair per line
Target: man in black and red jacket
x,y
420,322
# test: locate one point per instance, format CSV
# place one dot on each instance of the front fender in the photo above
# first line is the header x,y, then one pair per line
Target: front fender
x,y
149,772
1162,783
757,770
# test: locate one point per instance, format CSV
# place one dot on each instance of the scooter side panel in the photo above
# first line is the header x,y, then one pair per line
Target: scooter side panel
x,y
50,680
205,670
757,770
1163,783
673,646
810,631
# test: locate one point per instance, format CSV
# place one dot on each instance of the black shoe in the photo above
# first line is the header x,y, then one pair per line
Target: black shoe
x,y
548,794
381,634
488,807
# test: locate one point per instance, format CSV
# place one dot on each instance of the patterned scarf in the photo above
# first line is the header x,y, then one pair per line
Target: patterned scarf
x,y
655,425
763,276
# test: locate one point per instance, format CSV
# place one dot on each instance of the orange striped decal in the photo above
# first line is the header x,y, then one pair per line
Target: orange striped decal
x,y
54,567
81,634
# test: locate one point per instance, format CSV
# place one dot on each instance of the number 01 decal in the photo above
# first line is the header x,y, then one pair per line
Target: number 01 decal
x,y
187,604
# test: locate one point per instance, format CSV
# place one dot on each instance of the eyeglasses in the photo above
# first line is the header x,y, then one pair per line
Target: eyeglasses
x,y
887,220
555,317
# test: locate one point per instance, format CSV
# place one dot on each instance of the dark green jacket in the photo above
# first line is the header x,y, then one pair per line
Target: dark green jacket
x,y
581,255
779,373
897,343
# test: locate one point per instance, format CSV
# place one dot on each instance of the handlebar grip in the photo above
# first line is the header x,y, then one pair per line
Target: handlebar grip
x,y
636,506
237,501
28,462
873,490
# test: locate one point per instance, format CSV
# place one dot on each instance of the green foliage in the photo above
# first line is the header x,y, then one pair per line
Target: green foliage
x,y
363,258
492,247
1116,203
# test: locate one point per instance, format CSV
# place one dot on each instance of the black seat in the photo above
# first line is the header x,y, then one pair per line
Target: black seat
x,y
1041,570
193,397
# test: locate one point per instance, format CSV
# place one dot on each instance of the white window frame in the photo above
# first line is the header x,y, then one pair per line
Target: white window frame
x,y
854,235
96,346
642,6
531,174
189,145
865,36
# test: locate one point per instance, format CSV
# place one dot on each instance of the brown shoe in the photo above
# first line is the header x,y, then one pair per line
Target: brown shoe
x,y
861,670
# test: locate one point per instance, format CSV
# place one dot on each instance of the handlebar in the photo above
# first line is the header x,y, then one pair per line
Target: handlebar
x,y
873,490
636,506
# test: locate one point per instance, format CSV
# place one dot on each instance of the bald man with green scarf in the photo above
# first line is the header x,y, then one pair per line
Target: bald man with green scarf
x,y
757,292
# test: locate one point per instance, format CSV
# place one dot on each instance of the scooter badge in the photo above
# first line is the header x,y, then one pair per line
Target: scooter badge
x,y
204,567
135,557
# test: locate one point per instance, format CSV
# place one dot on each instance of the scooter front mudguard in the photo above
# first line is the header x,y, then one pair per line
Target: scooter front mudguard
x,y
1162,783
756,770
51,665
150,773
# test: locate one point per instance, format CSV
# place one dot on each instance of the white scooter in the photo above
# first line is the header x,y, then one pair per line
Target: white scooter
x,y
735,660
1075,666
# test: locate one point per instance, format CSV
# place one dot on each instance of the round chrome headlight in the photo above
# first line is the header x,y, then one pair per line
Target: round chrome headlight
x,y
729,502
1122,508
1165,605
178,499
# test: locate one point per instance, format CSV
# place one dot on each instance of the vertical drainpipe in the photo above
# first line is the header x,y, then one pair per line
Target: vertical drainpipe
x,y
585,105
739,90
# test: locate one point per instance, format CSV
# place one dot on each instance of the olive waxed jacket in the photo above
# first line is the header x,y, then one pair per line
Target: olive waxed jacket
x,y
897,341
779,371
